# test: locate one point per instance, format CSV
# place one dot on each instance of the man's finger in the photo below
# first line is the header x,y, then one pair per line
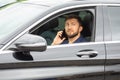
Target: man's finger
x,y
63,39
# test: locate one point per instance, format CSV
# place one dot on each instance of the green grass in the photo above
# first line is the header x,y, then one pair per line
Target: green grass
x,y
21,0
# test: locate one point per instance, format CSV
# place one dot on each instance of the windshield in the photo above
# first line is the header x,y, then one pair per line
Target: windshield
x,y
15,16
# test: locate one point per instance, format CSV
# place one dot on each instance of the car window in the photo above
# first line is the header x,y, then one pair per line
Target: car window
x,y
114,19
50,29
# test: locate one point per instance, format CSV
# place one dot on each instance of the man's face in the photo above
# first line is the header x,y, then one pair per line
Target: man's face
x,y
72,27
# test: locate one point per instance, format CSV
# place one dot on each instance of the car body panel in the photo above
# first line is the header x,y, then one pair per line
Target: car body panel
x,y
112,47
65,58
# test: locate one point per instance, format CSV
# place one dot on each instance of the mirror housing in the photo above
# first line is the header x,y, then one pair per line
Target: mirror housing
x,y
30,42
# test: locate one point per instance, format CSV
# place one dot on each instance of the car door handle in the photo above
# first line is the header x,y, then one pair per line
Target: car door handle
x,y
87,53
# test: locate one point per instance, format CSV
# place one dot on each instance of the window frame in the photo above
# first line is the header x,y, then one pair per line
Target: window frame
x,y
92,9
110,32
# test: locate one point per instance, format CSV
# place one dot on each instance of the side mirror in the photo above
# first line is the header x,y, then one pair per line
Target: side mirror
x,y
30,42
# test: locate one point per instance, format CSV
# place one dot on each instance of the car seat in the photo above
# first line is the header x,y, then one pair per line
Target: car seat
x,y
48,30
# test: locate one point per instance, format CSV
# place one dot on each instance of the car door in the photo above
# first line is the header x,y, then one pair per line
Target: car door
x,y
112,23
84,61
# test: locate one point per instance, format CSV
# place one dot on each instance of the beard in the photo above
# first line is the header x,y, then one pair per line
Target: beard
x,y
72,35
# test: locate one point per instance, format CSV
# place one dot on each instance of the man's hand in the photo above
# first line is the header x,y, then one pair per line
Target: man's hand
x,y
58,40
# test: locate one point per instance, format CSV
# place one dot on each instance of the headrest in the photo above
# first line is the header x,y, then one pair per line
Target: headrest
x,y
88,18
87,24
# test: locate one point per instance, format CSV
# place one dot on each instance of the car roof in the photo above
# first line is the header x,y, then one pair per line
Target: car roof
x,y
58,2
46,2
99,1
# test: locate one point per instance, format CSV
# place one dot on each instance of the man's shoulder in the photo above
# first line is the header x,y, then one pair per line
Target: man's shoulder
x,y
81,39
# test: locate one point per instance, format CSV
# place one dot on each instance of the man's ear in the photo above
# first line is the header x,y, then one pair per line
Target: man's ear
x,y
80,29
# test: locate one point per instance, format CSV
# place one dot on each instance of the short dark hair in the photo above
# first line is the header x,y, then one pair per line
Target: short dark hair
x,y
70,16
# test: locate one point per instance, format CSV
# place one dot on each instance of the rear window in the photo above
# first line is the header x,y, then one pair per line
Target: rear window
x,y
114,18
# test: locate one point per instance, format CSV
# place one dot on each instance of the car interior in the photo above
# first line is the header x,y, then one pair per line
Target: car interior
x,y
50,29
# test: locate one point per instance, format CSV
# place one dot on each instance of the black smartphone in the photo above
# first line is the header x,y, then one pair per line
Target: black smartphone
x,y
64,34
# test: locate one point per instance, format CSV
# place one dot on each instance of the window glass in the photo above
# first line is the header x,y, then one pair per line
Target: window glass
x,y
16,16
114,13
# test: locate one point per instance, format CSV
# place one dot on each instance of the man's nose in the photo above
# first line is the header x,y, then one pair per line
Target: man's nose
x,y
69,27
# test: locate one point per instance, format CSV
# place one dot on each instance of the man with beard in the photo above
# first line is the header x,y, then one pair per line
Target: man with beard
x,y
73,28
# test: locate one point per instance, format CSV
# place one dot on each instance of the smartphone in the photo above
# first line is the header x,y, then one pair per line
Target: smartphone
x,y
64,34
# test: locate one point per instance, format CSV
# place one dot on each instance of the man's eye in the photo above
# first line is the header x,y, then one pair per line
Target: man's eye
x,y
73,23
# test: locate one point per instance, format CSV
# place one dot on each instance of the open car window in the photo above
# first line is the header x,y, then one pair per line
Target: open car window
x,y
50,29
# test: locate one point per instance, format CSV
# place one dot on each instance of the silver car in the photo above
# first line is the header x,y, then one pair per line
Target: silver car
x,y
28,28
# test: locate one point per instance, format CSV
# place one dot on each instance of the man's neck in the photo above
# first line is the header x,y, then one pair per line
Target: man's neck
x,y
72,40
